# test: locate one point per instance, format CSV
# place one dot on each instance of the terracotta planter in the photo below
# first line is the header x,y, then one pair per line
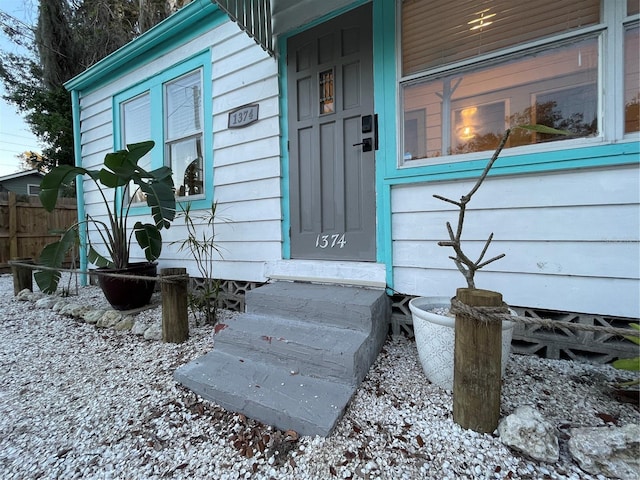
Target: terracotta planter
x,y
125,293
435,335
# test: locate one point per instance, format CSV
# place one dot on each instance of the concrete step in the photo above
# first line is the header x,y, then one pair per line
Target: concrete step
x,y
297,356
306,348
346,307
308,405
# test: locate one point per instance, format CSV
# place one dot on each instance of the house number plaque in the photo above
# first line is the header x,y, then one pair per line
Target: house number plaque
x,y
243,116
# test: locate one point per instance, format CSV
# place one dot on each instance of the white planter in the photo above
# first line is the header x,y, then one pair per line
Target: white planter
x,y
435,335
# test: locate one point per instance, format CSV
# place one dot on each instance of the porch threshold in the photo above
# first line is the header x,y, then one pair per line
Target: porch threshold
x,y
361,274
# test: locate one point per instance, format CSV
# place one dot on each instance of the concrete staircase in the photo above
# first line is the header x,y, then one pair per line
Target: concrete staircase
x,y
296,357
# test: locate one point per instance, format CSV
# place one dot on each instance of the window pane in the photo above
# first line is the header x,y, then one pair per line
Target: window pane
x,y
633,7
631,81
136,127
440,32
469,111
184,106
186,164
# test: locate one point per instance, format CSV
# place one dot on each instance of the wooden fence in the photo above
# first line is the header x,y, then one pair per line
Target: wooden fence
x,y
26,227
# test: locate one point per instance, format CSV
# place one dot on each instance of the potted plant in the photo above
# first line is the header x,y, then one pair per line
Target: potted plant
x,y
433,324
124,177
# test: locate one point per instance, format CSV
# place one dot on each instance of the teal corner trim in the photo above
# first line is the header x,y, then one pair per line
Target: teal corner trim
x,y
284,147
77,153
385,99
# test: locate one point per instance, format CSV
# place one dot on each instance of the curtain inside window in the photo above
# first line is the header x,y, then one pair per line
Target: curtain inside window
x,y
438,32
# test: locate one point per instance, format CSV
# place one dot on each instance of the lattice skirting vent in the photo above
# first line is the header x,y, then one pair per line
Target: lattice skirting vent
x,y
231,294
559,343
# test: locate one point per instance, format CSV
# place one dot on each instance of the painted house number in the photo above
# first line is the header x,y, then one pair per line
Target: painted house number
x,y
243,116
337,240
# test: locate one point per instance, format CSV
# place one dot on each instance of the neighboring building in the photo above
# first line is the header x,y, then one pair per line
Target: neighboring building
x,y
323,146
22,183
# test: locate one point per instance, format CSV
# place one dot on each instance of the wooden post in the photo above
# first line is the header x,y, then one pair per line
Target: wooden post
x,y
477,379
22,276
175,322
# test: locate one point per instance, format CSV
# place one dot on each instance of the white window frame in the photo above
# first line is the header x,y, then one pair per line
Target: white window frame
x,y
195,134
610,33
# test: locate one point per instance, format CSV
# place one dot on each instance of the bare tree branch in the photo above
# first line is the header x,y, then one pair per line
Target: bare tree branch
x,y
467,266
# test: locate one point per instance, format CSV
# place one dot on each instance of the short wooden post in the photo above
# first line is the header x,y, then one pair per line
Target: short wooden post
x,y
175,322
477,379
22,276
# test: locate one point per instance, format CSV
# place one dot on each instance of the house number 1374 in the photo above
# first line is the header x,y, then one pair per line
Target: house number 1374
x,y
336,240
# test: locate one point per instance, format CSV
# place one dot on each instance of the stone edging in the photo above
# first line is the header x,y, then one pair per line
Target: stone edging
x,y
99,317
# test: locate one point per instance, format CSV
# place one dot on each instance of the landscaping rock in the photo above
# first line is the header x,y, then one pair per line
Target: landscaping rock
x,y
59,305
74,310
27,295
125,324
154,332
46,302
610,451
109,319
93,316
140,327
526,431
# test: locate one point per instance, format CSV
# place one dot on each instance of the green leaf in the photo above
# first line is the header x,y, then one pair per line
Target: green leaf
x,y
632,364
162,200
53,181
53,256
149,239
98,260
139,150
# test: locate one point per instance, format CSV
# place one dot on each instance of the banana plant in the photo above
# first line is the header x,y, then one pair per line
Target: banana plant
x,y
122,177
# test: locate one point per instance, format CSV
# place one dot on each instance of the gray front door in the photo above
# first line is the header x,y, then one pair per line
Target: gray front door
x,y
332,182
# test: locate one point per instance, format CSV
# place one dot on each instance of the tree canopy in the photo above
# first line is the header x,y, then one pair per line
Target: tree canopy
x,y
69,37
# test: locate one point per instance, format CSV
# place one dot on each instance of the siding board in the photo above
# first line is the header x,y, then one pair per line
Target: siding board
x,y
571,239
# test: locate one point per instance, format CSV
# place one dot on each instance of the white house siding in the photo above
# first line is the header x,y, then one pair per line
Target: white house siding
x,y
571,239
246,161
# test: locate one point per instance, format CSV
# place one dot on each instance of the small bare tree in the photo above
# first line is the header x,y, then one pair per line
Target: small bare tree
x,y
468,267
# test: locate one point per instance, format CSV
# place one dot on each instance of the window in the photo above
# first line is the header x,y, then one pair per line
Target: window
x,y
136,127
33,189
475,69
183,133
170,109
631,80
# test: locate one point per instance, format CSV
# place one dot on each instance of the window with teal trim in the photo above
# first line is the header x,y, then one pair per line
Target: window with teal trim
x,y
469,72
170,109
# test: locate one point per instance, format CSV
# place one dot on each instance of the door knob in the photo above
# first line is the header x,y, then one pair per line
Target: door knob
x,y
367,144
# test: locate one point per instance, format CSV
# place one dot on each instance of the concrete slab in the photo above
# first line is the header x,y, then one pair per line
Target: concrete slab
x,y
310,406
346,307
305,347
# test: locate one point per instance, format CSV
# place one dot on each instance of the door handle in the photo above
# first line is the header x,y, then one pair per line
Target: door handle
x,y
367,144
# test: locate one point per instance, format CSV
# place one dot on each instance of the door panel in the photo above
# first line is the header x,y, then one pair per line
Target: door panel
x,y
332,181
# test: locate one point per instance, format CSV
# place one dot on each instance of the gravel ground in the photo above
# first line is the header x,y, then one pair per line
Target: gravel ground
x,y
82,402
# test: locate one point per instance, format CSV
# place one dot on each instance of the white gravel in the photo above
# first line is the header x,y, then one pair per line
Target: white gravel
x,y
81,402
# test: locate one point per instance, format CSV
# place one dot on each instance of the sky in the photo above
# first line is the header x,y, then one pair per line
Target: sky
x,y
15,136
